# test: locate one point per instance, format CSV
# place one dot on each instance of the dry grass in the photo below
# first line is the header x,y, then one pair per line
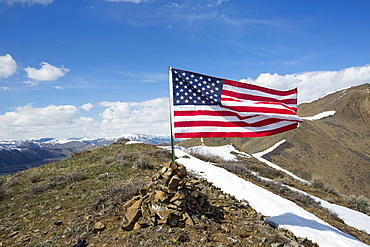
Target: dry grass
x,y
116,194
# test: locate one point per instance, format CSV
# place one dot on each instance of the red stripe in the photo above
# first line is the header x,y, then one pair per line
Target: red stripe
x,y
257,98
226,124
236,134
209,113
259,88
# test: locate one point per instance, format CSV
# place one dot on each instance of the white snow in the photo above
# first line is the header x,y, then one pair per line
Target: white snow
x,y
279,210
221,151
320,115
350,217
132,142
259,157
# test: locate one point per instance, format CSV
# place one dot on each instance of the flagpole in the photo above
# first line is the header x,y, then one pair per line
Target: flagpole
x,y
171,112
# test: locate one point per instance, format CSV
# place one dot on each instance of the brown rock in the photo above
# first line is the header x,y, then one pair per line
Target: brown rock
x,y
99,226
132,215
178,196
160,196
174,182
171,165
187,219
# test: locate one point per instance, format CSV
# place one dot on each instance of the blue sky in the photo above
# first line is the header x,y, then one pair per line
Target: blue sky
x,y
94,68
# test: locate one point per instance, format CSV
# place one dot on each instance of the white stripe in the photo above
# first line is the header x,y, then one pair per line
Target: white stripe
x,y
232,129
258,93
249,103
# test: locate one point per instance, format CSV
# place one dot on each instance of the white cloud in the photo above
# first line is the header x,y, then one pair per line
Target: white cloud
x,y
58,87
7,66
116,118
312,85
47,72
25,116
148,117
43,2
87,107
31,83
4,88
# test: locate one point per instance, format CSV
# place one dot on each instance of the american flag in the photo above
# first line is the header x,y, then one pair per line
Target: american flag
x,y
205,106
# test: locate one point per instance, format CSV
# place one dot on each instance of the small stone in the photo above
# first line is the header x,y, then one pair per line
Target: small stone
x,y
99,226
13,234
58,222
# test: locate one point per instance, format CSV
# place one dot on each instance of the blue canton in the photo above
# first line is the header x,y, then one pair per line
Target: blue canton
x,y
195,89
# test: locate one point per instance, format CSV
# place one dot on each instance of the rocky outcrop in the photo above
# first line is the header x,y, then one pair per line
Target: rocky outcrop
x,y
192,210
172,198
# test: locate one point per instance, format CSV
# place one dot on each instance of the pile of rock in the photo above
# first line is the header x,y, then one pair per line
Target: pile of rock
x,y
172,198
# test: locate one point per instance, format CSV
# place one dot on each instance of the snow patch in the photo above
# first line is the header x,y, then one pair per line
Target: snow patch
x,y
221,151
320,115
259,157
132,142
281,211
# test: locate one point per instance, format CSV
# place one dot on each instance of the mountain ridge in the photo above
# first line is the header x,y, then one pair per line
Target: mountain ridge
x,y
19,155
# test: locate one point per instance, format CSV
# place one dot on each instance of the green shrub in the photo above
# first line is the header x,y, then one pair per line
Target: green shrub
x,y
2,193
360,203
2,180
318,184
142,162
117,193
35,177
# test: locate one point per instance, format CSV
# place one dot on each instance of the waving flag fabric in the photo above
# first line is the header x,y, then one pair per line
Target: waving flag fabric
x,y
205,106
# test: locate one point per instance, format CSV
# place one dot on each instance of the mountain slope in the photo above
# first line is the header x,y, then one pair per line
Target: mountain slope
x,y
334,149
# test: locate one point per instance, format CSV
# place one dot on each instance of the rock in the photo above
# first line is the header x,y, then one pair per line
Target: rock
x,y
174,182
13,234
132,214
172,199
58,222
171,165
99,226
160,196
271,223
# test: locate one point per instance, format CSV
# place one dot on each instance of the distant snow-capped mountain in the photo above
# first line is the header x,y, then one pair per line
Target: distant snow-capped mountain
x,y
19,155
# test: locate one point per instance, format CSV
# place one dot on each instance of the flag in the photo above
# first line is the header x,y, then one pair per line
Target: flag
x,y
205,106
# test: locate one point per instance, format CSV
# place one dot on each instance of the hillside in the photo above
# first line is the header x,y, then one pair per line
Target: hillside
x,y
87,199
333,149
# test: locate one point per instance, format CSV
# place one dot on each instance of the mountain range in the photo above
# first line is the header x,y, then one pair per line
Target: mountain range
x,y
19,155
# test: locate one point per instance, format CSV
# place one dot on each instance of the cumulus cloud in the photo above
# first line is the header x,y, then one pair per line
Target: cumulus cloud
x,y
7,66
47,72
312,85
58,87
30,2
44,116
116,119
148,117
87,107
